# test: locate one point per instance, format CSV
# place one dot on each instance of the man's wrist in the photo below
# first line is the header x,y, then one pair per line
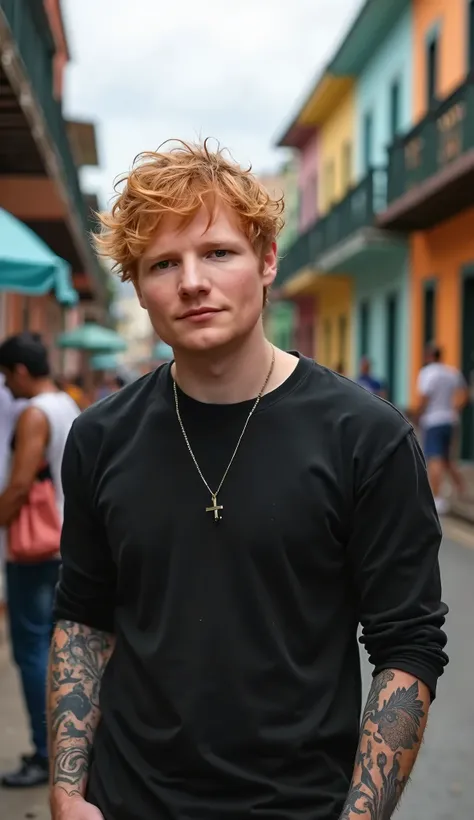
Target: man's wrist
x,y
60,800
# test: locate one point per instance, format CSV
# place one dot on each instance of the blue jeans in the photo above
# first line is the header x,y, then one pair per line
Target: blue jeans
x,y
437,441
30,597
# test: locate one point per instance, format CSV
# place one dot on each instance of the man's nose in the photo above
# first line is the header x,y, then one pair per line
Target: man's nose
x,y
193,278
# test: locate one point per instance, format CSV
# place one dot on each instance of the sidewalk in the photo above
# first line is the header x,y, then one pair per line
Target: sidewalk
x,y
464,508
29,804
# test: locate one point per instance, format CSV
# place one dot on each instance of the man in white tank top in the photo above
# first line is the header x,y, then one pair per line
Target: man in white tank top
x,y
40,436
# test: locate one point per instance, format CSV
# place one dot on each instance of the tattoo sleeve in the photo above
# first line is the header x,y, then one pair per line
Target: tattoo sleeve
x,y
78,659
392,729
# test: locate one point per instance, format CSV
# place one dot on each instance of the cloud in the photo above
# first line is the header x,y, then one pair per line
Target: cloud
x,y
149,70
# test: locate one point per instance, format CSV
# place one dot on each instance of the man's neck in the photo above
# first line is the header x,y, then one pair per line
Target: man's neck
x,y
232,376
43,386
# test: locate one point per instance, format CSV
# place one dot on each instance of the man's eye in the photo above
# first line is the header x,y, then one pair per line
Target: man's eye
x,y
163,264
220,253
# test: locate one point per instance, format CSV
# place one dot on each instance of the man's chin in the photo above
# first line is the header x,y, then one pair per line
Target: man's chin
x,y
203,341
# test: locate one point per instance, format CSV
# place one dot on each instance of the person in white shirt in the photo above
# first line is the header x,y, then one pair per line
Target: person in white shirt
x,y
39,439
443,393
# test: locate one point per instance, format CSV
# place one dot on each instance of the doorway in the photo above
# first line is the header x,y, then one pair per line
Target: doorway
x,y
467,346
391,345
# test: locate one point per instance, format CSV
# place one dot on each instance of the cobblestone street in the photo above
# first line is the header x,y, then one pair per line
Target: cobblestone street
x,y
443,784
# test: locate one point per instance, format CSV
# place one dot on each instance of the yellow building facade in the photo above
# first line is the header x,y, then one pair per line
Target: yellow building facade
x,y
336,152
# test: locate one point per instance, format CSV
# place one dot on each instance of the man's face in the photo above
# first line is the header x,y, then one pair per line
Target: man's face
x,y
17,381
203,285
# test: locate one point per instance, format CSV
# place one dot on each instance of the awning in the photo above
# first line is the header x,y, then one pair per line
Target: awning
x,y
28,266
93,338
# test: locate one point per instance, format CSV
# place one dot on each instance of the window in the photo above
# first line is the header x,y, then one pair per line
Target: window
x,y
330,186
432,70
346,165
327,342
364,329
309,204
471,36
394,109
342,343
368,136
429,314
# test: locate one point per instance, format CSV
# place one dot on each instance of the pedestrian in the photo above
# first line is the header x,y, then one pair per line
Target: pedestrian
x,y
367,381
442,394
229,520
31,509
9,412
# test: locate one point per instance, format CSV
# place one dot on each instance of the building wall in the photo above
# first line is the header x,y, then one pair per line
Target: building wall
x,y
333,302
336,132
440,254
289,178
134,325
308,183
279,324
285,183
374,288
53,10
451,17
392,61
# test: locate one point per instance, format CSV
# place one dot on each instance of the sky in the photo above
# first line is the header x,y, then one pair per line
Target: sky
x,y
145,71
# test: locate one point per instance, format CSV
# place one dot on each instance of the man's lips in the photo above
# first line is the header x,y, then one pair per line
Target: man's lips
x,y
196,313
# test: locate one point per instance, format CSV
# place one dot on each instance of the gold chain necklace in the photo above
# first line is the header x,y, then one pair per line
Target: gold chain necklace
x,y
215,507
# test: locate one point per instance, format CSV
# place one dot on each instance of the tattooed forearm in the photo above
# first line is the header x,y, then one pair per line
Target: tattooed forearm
x,y
78,659
392,728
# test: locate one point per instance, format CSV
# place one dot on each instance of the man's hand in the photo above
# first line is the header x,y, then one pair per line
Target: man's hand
x,y
75,808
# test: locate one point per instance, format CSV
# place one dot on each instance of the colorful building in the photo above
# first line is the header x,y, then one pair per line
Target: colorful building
x,y
355,273
40,154
279,315
431,193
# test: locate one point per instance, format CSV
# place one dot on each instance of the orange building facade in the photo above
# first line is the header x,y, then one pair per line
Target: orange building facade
x,y
442,254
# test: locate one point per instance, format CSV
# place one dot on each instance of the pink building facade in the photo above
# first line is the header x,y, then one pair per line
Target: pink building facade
x,y
308,182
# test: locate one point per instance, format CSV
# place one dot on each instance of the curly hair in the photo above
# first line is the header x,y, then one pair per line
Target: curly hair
x,y
180,181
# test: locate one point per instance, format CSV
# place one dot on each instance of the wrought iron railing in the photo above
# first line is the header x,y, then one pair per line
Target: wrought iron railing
x,y
357,210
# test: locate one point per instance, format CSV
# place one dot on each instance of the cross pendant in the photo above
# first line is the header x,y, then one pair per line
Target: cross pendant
x,y
215,508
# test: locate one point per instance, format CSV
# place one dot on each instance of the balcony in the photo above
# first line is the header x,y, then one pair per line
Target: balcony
x,y
431,169
345,240
29,69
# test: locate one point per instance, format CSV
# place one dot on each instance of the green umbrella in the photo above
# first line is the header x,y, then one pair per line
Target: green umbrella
x,y
29,266
104,361
163,352
92,338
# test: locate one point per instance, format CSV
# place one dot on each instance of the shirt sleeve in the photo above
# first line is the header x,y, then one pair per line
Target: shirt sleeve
x,y
87,584
393,554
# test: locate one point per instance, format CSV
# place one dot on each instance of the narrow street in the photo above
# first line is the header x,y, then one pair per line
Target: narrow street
x,y
443,783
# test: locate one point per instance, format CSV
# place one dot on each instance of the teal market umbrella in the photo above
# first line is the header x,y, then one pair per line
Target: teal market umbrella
x,y
104,361
163,352
92,338
29,266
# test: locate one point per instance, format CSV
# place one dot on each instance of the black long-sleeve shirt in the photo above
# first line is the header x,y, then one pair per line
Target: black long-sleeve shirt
x,y
234,689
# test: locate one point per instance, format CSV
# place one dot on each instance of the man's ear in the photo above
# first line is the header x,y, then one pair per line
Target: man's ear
x,y
270,265
20,370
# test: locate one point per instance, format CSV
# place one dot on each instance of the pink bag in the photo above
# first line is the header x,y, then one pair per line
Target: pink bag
x,y
35,535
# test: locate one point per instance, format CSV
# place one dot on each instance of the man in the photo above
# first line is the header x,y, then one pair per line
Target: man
x,y
229,519
367,381
443,393
39,440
